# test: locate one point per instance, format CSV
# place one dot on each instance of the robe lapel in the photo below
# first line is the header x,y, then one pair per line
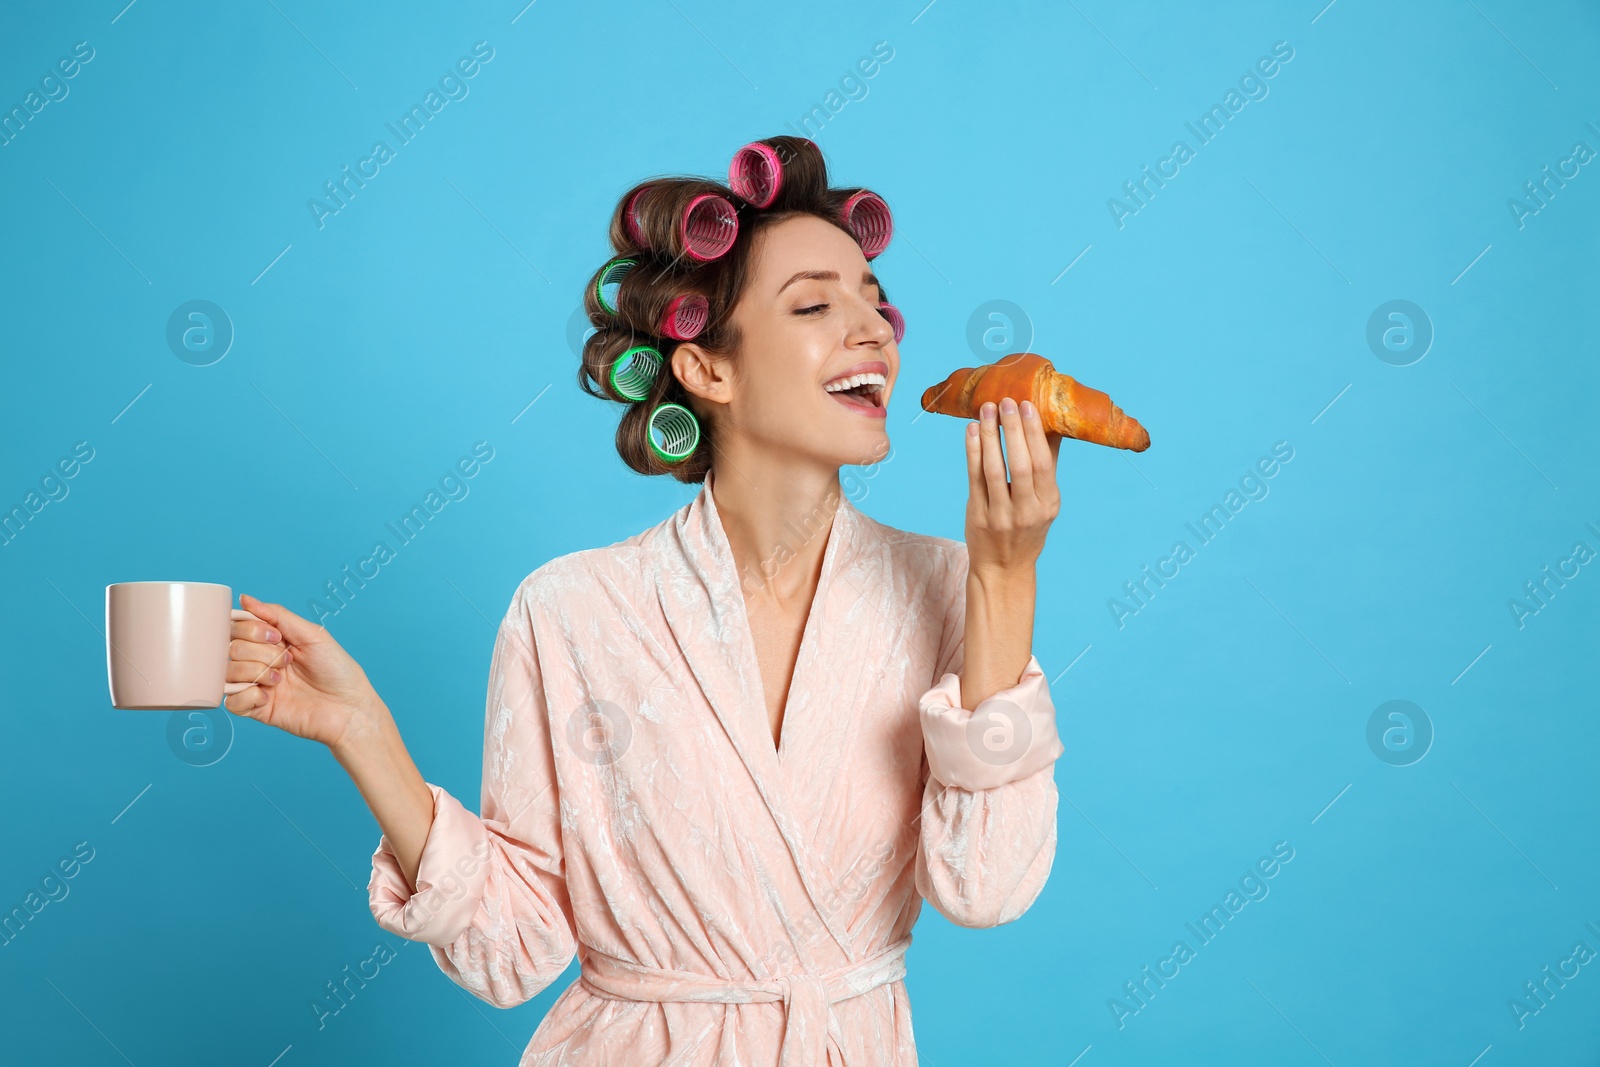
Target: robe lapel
x,y
703,603
704,607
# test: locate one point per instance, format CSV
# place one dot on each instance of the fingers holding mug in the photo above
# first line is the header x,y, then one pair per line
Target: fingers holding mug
x,y
256,659
246,700
253,652
244,673
252,627
249,687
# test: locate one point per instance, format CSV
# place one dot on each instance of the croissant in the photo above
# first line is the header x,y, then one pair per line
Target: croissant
x,y
1066,406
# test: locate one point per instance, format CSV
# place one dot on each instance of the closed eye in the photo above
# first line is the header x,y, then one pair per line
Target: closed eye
x,y
812,310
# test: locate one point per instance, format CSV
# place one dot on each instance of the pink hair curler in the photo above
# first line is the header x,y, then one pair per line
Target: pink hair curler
x,y
685,317
756,174
867,216
630,221
709,227
897,320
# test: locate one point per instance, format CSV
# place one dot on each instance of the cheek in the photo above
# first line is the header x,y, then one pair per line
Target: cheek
x,y
773,381
794,367
788,403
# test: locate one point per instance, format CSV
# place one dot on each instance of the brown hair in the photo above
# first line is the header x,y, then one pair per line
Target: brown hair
x,y
666,268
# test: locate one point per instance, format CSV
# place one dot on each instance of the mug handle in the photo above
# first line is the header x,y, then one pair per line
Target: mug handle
x,y
230,688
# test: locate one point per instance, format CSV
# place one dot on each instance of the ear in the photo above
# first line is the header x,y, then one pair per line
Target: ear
x,y
702,372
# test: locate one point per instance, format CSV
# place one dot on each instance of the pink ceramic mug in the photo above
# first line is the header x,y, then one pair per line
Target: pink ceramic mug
x,y
167,644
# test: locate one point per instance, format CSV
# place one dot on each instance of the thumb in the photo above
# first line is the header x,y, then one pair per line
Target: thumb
x,y
295,630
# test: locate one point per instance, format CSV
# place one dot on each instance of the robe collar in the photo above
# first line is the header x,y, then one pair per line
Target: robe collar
x,y
700,584
704,606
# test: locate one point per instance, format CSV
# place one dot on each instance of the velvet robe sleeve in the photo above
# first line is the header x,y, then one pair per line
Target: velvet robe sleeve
x,y
987,837
491,898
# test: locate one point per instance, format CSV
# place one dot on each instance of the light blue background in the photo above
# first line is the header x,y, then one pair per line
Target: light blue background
x,y
1229,714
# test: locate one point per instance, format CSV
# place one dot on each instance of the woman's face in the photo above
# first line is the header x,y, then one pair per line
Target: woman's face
x,y
808,318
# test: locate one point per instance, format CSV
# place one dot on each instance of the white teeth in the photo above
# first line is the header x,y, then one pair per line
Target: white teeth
x,y
854,380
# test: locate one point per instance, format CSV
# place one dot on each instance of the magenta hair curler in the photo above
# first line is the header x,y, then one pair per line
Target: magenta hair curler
x,y
630,221
897,320
685,317
710,225
756,175
867,217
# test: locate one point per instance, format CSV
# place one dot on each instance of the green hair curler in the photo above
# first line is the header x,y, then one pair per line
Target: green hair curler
x,y
634,372
679,429
611,277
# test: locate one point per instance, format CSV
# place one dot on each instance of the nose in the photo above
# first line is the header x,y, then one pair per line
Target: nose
x,y
875,326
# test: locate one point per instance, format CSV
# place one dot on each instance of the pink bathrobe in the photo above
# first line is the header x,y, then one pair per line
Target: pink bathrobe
x,y
730,903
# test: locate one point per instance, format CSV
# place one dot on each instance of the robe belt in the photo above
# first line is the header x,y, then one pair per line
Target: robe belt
x,y
807,998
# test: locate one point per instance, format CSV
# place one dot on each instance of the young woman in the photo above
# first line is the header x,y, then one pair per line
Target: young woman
x,y
727,758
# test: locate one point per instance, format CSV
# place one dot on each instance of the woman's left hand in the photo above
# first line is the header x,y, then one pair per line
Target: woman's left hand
x,y
1007,522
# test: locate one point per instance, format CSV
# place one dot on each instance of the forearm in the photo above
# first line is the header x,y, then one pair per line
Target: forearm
x,y
377,761
999,631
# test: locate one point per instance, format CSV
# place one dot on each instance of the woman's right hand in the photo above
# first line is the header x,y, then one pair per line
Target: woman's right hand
x,y
302,681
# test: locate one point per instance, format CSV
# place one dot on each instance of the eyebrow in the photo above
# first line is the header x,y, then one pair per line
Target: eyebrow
x,y
868,278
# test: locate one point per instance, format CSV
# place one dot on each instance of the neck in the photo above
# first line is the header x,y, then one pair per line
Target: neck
x,y
777,520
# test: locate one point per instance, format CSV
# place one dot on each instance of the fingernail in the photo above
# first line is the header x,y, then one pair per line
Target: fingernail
x,y
275,676
972,429
988,409
1028,411
1008,405
272,635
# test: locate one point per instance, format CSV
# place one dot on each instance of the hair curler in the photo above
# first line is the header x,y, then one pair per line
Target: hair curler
x,y
611,279
897,320
684,317
679,430
867,216
703,228
630,218
756,174
709,226
634,372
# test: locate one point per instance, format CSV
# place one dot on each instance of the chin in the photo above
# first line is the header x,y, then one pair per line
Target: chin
x,y
865,448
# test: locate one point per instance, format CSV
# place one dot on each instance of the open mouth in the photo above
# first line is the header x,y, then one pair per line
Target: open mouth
x,y
860,392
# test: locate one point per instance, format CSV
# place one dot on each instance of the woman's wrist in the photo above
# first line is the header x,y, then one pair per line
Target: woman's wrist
x,y
369,729
1001,577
